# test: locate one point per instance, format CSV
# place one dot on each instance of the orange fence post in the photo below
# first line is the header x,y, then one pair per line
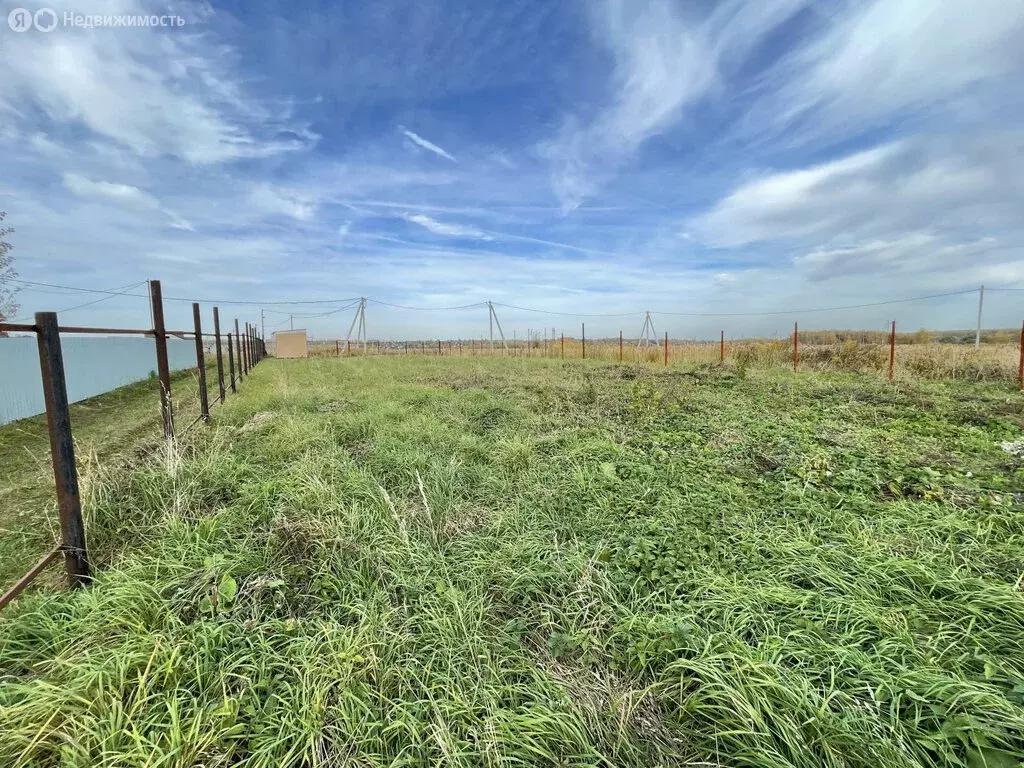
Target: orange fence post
x,y
796,346
666,347
892,350
721,349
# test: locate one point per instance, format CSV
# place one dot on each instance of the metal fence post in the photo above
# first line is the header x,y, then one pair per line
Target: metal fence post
x,y
204,398
1020,366
231,363
163,368
62,448
583,338
796,346
220,359
892,351
238,348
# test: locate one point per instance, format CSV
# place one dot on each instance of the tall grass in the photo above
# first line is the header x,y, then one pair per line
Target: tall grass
x,y
421,562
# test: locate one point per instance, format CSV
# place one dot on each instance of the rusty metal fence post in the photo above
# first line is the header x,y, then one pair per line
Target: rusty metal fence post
x,y
583,338
666,347
238,349
204,398
62,448
892,351
163,368
220,358
796,347
231,363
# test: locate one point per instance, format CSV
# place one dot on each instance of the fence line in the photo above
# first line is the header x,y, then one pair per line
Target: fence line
x,y
58,413
803,348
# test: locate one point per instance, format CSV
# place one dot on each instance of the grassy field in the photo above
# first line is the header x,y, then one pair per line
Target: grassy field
x,y
917,356
393,561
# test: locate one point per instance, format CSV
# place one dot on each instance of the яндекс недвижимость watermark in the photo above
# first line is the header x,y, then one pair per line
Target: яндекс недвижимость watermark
x,y
47,19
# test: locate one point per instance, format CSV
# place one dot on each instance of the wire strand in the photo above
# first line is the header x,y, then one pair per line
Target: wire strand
x,y
429,309
86,304
352,301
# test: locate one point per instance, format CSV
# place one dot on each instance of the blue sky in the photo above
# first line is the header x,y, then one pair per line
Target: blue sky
x,y
608,156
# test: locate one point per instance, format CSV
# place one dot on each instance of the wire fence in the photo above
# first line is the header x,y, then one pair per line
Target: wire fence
x,y
235,355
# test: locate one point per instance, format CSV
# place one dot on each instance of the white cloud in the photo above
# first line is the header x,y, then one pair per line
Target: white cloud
x,y
664,63
889,55
451,230
123,194
120,193
911,185
154,92
271,200
427,145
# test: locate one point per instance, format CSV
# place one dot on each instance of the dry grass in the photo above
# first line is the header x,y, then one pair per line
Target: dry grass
x,y
918,355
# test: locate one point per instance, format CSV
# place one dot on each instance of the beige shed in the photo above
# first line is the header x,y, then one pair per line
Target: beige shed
x,y
290,344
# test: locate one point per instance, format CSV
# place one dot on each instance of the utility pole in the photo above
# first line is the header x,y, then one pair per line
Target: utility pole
x,y
493,320
648,325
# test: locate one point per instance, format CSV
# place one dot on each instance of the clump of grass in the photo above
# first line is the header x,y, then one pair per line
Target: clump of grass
x,y
391,561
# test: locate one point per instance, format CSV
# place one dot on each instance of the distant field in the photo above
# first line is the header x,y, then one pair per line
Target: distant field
x,y
415,561
920,355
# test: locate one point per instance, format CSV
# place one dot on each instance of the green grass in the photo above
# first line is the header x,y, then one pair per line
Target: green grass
x,y
113,428
419,562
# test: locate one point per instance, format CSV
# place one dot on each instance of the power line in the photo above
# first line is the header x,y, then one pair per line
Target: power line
x,y
429,309
88,303
317,314
351,302
184,298
568,314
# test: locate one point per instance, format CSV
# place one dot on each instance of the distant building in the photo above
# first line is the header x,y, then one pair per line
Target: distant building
x,y
290,344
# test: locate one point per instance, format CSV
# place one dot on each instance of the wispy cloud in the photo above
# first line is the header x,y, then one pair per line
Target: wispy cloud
x,y
427,145
961,183
665,61
450,230
119,193
888,56
122,194
275,201
150,91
